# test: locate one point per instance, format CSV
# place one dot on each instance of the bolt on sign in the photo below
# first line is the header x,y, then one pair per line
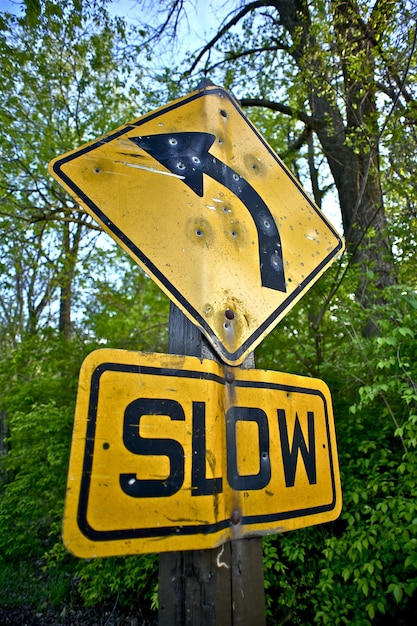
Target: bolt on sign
x,y
197,197
175,453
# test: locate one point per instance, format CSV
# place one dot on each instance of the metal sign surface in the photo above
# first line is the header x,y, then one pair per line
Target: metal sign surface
x,y
198,198
168,455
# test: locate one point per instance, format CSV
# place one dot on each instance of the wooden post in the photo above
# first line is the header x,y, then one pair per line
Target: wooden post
x,y
219,587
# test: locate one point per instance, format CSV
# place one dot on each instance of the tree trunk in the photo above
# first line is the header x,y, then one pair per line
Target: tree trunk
x,y
357,178
70,257
355,168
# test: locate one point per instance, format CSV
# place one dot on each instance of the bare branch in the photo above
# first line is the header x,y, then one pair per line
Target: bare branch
x,y
55,216
224,29
173,14
280,108
238,55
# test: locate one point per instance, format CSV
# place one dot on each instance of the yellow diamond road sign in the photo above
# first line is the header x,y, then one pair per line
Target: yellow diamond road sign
x,y
168,455
198,198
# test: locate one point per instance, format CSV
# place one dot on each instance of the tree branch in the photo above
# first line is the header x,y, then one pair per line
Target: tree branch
x,y
223,30
175,11
233,57
281,108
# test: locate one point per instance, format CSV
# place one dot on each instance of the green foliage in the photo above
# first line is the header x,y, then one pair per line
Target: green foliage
x,y
362,568
38,400
290,574
40,380
125,577
42,369
23,582
35,469
123,304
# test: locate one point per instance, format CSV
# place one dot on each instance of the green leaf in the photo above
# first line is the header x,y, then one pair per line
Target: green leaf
x,y
370,610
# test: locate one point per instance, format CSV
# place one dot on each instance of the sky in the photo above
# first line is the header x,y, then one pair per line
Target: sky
x,y
200,21
203,16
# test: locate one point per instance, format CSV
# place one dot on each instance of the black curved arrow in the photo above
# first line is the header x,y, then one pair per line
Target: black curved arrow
x,y
187,156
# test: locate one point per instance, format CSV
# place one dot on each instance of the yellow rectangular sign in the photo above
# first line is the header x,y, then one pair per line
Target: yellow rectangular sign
x,y
174,453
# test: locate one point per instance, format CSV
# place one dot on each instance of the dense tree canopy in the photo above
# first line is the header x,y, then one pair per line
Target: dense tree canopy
x,y
332,85
64,74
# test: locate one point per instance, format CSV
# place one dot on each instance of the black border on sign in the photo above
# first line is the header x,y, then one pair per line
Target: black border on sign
x,y
147,263
175,530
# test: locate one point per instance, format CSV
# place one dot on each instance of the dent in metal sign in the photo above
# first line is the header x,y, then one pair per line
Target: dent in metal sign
x,y
168,455
198,198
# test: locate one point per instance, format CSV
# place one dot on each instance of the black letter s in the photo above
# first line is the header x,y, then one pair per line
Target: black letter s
x,y
152,488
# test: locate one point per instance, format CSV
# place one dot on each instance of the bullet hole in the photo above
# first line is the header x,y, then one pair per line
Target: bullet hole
x,y
266,225
276,262
230,377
